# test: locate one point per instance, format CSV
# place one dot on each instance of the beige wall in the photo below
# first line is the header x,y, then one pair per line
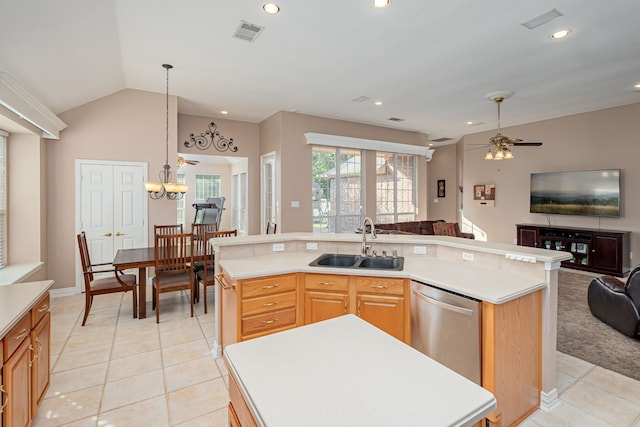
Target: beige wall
x,y
295,158
443,166
125,126
246,136
596,140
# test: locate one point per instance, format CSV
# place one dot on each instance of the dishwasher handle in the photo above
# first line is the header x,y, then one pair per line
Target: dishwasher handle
x,y
444,305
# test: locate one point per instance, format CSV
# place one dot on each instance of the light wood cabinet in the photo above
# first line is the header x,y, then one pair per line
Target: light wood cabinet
x,y
259,306
25,372
383,302
511,357
17,375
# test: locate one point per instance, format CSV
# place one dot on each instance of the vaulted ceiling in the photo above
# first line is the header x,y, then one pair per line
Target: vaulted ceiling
x,y
429,62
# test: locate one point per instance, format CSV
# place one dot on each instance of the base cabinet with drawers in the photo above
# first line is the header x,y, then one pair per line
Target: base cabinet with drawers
x,y
260,306
25,368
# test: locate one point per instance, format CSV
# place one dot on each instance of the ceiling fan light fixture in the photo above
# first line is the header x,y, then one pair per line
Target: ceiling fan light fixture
x,y
489,155
499,155
508,154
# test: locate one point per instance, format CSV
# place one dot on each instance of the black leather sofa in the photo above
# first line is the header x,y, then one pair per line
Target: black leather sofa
x,y
617,303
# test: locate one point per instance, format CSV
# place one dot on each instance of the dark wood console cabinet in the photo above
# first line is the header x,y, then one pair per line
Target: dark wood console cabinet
x,y
599,251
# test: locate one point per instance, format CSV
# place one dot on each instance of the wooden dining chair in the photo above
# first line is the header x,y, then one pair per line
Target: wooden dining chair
x,y
167,229
206,274
198,247
115,281
271,227
173,261
225,233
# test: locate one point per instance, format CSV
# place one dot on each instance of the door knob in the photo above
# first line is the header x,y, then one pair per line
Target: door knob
x,y
107,234
119,233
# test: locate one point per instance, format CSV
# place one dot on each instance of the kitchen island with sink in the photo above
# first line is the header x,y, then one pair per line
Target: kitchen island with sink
x,y
269,286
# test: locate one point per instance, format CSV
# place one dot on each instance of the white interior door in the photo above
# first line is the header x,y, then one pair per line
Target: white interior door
x,y
268,187
111,208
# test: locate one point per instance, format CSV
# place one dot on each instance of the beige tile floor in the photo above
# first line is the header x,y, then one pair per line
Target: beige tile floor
x,y
118,371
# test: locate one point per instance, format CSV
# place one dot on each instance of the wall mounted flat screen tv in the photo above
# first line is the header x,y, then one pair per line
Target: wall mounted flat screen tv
x,y
591,193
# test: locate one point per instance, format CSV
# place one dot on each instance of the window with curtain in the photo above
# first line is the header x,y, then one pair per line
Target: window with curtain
x,y
3,200
207,186
180,179
396,187
337,190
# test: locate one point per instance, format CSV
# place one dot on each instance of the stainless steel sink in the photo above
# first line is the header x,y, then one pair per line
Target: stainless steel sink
x,y
381,263
357,261
335,260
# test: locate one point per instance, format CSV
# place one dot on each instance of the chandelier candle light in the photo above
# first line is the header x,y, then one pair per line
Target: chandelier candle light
x,y
166,188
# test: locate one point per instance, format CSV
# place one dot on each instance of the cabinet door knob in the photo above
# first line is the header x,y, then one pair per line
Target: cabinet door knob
x,y
108,234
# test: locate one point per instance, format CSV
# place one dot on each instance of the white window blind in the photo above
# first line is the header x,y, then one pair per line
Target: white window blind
x,y
180,179
3,200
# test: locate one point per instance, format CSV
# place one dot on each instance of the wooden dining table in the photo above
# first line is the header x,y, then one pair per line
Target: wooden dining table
x,y
140,258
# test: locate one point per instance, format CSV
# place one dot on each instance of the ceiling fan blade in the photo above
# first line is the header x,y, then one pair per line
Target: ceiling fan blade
x,y
528,144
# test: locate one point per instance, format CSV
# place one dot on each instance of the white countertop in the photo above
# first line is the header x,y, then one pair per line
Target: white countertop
x,y
543,255
493,286
346,372
17,299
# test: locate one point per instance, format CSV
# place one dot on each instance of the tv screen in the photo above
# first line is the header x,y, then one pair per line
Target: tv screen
x,y
592,193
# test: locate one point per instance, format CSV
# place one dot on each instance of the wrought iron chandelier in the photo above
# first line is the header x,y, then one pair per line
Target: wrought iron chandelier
x,y
166,188
211,138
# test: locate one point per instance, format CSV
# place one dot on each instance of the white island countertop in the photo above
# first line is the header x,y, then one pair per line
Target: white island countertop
x,y
463,278
346,372
17,299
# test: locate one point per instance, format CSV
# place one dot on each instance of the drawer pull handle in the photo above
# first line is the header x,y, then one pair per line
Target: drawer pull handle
x,y
21,334
269,322
6,398
43,308
35,355
223,284
270,304
271,286
39,347
380,286
325,283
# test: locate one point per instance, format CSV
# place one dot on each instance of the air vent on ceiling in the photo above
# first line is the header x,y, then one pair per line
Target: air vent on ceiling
x,y
361,99
542,19
247,31
396,119
443,139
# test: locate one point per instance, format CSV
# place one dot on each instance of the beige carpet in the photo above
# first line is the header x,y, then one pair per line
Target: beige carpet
x,y
582,335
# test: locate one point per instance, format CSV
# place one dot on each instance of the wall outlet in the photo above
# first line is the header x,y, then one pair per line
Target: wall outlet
x,y
312,246
278,247
295,203
435,200
420,250
467,256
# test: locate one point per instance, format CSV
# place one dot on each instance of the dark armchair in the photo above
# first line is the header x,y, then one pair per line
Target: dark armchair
x,y
617,303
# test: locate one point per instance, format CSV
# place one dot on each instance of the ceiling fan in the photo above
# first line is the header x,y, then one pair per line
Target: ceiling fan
x,y
182,161
500,145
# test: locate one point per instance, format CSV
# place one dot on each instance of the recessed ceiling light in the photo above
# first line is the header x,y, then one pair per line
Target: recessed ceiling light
x,y
378,103
637,86
431,144
224,112
381,4
271,8
469,122
560,34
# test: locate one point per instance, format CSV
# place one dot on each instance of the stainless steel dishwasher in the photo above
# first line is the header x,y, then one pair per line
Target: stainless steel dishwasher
x,y
446,327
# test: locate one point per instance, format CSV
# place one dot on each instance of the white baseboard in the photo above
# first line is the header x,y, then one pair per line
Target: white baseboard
x,y
549,401
63,292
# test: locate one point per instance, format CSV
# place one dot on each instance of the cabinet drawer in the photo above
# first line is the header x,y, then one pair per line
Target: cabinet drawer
x,y
268,285
326,282
15,337
264,322
40,309
268,303
380,285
